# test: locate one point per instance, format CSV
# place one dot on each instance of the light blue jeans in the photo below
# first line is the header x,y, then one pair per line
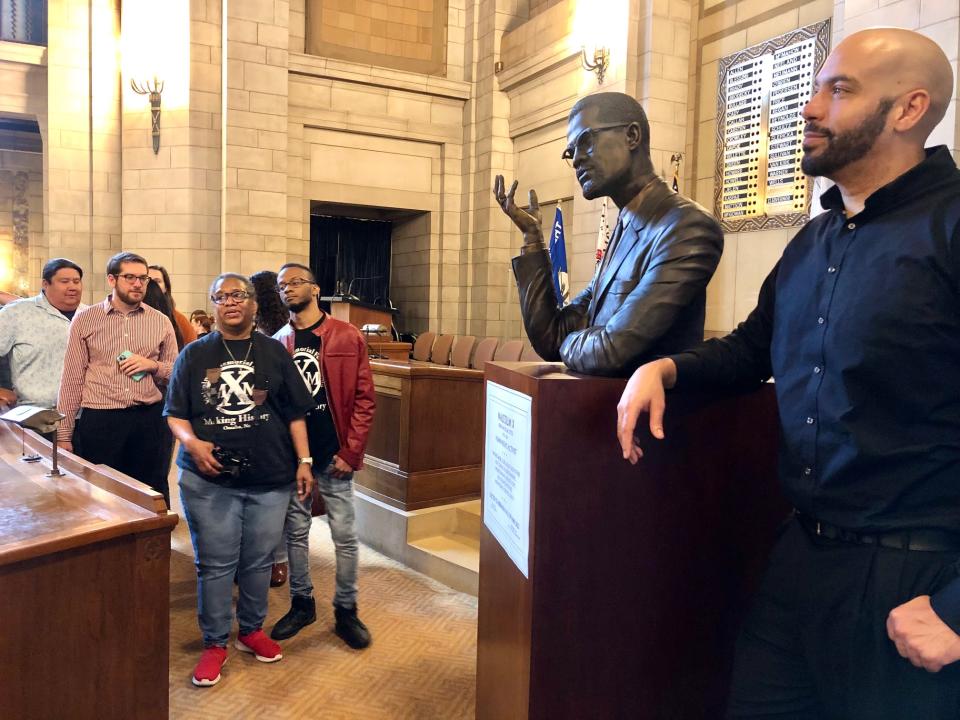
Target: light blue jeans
x,y
233,530
338,495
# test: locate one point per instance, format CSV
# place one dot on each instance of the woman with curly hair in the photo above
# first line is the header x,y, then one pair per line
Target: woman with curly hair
x,y
271,313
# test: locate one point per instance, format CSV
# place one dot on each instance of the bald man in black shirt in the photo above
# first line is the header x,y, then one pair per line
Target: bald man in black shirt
x,y
858,617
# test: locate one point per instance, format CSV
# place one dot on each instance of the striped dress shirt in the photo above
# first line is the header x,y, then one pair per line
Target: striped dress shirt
x,y
91,374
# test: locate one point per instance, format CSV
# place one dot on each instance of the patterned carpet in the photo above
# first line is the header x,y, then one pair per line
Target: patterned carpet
x,y
421,665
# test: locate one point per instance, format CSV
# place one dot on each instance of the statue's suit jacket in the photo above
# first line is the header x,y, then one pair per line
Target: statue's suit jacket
x,y
648,298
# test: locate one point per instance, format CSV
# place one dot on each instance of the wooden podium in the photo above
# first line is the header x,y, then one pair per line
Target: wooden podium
x,y
84,589
357,312
639,576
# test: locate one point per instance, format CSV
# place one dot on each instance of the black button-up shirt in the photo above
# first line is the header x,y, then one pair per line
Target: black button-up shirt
x,y
859,324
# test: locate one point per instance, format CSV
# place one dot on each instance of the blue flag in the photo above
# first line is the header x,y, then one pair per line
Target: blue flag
x,y
558,258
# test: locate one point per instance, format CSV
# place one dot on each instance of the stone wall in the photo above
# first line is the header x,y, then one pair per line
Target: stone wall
x,y
21,218
725,28
747,256
81,134
399,34
23,94
263,129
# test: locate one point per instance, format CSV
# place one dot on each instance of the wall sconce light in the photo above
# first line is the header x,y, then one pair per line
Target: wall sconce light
x,y
601,61
153,91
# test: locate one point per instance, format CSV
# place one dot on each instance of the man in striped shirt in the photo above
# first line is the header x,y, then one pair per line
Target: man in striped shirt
x,y
118,353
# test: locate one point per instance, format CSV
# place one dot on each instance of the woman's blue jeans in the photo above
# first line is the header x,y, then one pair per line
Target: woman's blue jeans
x,y
233,530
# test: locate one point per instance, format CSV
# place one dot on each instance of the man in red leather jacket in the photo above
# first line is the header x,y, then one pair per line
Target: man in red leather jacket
x,y
331,356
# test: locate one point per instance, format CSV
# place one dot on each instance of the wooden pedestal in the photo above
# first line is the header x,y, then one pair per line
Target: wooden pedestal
x,y
639,576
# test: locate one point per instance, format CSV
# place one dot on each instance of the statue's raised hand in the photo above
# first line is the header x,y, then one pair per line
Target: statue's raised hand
x,y
527,220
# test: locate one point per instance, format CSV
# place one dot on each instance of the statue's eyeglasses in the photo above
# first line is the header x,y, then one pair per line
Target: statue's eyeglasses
x,y
584,142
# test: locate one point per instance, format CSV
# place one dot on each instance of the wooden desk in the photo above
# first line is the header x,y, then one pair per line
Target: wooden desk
x,y
426,443
390,350
84,590
357,312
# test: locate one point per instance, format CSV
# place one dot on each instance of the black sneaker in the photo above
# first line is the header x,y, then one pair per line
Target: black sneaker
x,y
303,611
350,629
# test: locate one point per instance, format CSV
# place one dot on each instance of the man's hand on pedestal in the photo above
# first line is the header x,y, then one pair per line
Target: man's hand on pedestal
x,y
644,393
921,636
8,397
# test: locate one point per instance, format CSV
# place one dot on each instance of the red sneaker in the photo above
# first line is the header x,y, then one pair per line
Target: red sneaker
x,y
207,671
263,648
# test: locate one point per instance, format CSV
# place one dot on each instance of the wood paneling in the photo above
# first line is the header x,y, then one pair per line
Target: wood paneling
x,y
639,575
84,590
426,443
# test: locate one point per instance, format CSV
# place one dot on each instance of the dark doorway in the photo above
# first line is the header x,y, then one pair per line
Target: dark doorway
x,y
351,256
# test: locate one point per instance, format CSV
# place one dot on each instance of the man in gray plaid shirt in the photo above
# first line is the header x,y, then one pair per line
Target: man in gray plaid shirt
x,y
33,336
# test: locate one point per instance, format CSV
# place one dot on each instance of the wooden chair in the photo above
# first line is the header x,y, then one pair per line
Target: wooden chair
x,y
440,354
484,352
530,355
462,347
423,346
510,350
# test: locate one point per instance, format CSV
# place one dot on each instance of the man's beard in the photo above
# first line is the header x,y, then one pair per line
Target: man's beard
x,y
844,148
299,306
125,297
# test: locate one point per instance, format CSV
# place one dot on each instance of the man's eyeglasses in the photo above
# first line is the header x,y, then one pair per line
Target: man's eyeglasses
x,y
295,283
131,278
584,142
237,296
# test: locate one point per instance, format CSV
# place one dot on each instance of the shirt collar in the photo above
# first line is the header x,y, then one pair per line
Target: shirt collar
x,y
937,166
109,308
43,302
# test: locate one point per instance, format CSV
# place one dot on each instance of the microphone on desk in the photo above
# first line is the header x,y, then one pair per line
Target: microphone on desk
x,y
350,286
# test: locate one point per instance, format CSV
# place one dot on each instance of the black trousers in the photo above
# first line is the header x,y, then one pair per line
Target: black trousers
x,y
815,644
131,440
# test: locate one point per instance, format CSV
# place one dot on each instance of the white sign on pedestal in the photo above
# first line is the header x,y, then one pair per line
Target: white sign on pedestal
x,y
506,472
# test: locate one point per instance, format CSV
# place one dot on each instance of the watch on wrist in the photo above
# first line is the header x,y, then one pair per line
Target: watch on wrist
x,y
306,461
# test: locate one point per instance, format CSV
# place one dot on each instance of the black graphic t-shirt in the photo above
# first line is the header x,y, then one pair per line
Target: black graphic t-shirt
x,y
320,428
242,401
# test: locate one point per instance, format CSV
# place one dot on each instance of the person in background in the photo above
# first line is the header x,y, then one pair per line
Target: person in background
x,y
160,276
271,312
201,322
119,354
155,298
331,356
236,404
271,316
33,336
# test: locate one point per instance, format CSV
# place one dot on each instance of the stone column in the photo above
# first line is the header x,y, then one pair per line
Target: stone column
x,y
256,231
82,137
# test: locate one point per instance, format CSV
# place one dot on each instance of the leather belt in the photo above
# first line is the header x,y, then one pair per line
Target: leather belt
x,y
920,540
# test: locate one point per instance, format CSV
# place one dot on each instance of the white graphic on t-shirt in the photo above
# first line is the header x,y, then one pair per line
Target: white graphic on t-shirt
x,y
306,361
236,388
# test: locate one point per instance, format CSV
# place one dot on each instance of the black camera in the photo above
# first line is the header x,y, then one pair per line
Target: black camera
x,y
233,462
